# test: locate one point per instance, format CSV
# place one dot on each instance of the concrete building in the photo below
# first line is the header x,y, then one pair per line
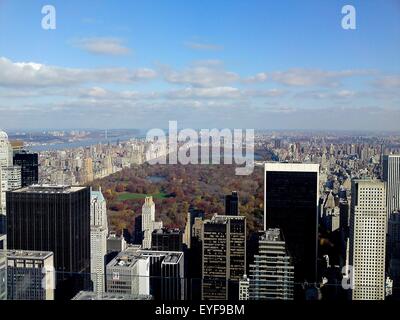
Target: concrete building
x,y
193,215
129,273
88,295
167,273
30,275
330,215
224,257
149,223
368,224
271,275
98,240
5,161
244,285
391,175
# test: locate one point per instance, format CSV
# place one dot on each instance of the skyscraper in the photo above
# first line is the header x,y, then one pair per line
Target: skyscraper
x,y
391,175
224,256
271,275
232,204
3,267
166,240
30,275
10,177
193,254
190,221
29,167
57,219
291,193
149,223
368,222
167,274
393,252
5,150
129,273
98,240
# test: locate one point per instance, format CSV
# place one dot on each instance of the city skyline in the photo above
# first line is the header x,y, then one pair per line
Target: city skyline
x,y
128,66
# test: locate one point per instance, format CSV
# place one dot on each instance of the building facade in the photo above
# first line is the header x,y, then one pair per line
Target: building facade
x,y
29,167
232,204
391,175
56,219
166,240
3,267
368,224
271,275
149,223
128,273
223,257
30,275
291,195
98,240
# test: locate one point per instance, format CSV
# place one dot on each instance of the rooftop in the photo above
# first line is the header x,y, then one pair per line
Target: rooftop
x,y
291,167
224,219
28,254
167,231
126,259
272,235
47,188
88,295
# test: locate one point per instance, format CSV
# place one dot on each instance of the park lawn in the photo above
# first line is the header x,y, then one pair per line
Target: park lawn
x,y
133,196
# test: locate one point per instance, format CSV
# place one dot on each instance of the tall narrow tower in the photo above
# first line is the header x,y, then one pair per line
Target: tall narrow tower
x,y
368,239
291,193
391,175
148,221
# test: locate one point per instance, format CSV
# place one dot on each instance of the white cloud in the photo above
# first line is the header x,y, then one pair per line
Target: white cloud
x,y
39,75
314,77
392,81
104,46
203,46
200,74
215,92
259,77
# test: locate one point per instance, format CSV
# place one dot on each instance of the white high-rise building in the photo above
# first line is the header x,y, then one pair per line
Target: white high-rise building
x,y
129,273
10,176
391,175
5,150
368,224
98,240
148,222
272,272
5,161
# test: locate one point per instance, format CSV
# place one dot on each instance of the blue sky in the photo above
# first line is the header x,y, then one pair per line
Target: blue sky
x,y
240,64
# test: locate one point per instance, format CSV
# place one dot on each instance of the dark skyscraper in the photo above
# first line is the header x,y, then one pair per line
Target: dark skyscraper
x,y
224,257
56,219
29,167
291,204
166,240
232,204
